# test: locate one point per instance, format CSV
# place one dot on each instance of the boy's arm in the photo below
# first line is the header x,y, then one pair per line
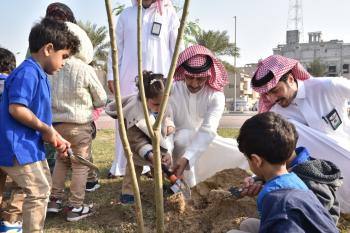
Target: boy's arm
x,y
23,115
27,118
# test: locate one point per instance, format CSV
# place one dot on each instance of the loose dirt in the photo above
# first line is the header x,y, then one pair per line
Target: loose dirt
x,y
209,209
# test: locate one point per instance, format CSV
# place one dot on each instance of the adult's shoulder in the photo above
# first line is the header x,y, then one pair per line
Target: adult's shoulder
x,y
329,84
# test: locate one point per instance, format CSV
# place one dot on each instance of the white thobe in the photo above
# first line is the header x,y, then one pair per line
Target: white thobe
x,y
196,118
157,53
316,98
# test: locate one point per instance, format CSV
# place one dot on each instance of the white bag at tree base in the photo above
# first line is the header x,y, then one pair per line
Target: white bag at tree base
x,y
221,154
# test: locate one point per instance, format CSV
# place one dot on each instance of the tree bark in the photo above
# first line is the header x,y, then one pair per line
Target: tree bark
x,y
122,130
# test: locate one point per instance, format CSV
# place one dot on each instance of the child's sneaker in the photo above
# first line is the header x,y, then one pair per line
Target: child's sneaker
x,y
127,199
6,227
75,214
92,186
54,206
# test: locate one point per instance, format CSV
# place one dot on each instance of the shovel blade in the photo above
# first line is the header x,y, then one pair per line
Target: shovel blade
x,y
81,160
181,186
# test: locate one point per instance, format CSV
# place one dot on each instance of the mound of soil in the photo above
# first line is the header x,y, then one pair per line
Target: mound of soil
x,y
203,213
209,209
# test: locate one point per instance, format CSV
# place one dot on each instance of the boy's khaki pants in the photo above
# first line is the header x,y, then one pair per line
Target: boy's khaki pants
x,y
13,208
35,180
80,137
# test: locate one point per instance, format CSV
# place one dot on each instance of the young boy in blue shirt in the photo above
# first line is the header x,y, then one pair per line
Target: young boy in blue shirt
x,y
25,118
285,204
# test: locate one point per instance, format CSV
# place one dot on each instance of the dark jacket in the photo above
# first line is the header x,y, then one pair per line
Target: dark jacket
x,y
294,211
323,178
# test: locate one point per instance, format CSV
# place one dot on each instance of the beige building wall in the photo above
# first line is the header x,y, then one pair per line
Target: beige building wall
x,y
245,96
334,54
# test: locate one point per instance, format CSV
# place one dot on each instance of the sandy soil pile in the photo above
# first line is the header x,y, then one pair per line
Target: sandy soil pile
x,y
208,210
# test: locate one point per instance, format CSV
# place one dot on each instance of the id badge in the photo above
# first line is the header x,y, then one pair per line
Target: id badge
x,y
156,27
334,119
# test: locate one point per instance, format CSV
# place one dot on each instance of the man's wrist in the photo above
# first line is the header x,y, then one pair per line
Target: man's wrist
x,y
147,155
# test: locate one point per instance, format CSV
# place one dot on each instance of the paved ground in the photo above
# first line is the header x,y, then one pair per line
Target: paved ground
x,y
227,120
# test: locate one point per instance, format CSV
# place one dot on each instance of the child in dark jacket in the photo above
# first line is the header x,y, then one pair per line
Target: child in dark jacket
x,y
284,203
322,177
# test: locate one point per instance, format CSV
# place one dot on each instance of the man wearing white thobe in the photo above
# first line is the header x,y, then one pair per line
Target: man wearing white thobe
x,y
159,32
316,106
198,101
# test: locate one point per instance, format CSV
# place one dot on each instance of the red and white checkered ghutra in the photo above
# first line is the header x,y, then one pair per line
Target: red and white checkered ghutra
x,y
278,65
196,56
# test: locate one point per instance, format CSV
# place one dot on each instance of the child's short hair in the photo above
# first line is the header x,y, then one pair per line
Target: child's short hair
x,y
55,32
154,84
269,136
7,61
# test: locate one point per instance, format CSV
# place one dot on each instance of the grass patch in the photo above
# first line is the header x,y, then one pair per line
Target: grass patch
x,y
109,216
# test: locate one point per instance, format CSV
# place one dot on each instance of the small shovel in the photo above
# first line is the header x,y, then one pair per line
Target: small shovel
x,y
178,185
80,159
232,193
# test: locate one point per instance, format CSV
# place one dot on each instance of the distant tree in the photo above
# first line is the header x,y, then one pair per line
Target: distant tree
x,y
118,9
229,68
316,68
192,27
99,39
217,42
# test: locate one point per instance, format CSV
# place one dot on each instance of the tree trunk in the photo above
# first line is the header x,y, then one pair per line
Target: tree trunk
x,y
122,130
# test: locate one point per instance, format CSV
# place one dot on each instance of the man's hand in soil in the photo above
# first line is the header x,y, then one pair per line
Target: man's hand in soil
x,y
250,187
180,166
166,160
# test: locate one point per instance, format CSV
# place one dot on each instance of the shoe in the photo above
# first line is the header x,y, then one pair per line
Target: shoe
x,y
92,186
54,206
75,214
127,199
111,176
6,227
148,175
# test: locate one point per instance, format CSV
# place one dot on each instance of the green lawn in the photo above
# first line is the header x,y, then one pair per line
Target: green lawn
x,y
109,216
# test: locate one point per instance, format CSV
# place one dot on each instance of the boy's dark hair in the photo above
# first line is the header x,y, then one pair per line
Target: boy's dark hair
x,y
154,84
55,32
269,136
60,11
7,61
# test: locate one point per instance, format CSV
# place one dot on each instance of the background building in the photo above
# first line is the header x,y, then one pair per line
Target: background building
x,y
245,96
333,55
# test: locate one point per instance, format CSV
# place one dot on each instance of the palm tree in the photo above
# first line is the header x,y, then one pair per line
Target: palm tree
x,y
99,39
217,42
118,9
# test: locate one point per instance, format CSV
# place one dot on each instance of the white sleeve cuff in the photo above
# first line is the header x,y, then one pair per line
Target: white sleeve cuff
x,y
144,149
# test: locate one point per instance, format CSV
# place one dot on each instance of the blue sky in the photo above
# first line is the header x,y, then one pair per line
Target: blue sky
x,y
261,24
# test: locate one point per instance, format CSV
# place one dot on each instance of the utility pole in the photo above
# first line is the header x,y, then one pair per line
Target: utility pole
x,y
235,71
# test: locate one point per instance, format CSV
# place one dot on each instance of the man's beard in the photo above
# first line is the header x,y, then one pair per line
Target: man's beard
x,y
285,102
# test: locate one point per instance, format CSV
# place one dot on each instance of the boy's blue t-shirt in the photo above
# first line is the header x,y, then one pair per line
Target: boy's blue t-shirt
x,y
285,181
26,85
